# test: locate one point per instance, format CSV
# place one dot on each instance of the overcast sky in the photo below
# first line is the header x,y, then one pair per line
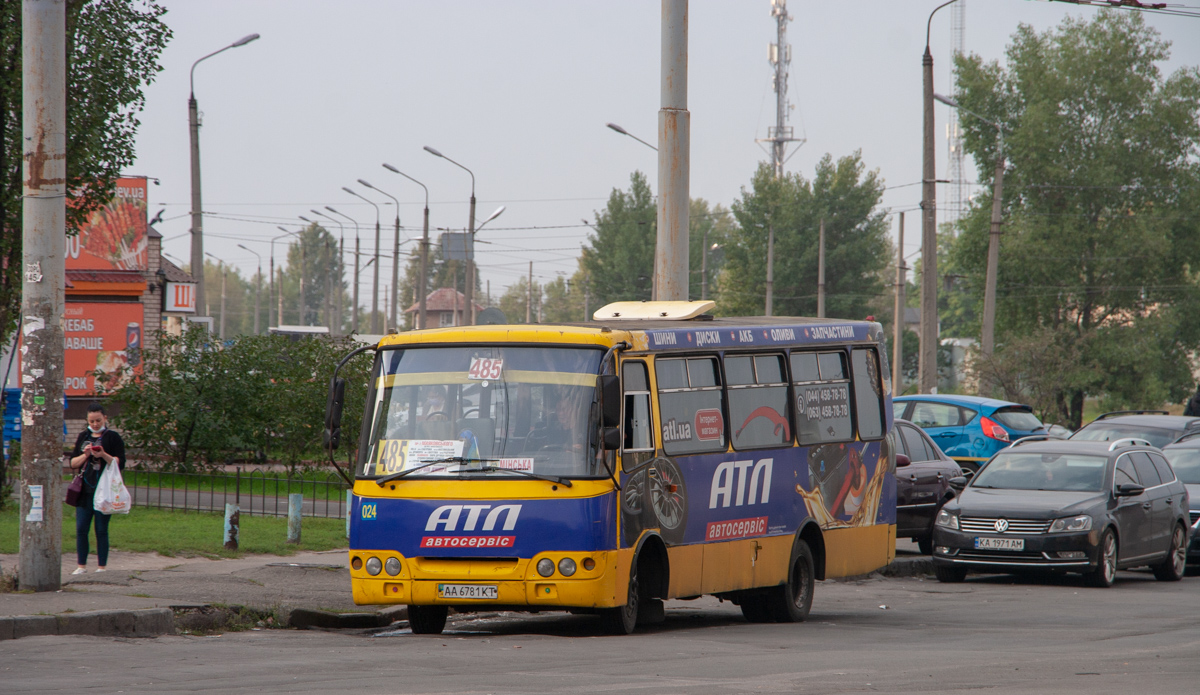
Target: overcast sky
x,y
520,93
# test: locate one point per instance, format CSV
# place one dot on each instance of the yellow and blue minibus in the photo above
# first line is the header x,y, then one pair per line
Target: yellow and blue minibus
x,y
654,453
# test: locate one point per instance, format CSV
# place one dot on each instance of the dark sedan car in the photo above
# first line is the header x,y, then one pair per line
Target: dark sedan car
x,y
1155,426
1184,457
1073,506
923,474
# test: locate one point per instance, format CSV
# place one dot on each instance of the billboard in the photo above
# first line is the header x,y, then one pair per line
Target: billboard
x,y
100,337
180,297
114,237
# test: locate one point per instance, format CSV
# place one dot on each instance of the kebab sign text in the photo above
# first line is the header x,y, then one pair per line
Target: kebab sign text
x,y
100,337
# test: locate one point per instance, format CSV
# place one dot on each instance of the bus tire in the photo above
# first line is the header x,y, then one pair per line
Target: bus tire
x,y
754,607
427,620
623,619
791,601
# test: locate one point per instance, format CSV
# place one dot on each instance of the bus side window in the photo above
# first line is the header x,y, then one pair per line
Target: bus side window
x,y
691,409
868,394
638,431
822,397
758,401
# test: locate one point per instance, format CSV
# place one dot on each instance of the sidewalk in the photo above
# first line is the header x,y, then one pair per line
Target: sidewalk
x,y
145,594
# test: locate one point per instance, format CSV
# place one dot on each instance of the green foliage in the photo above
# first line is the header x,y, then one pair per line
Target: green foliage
x,y
563,301
706,227
857,251
200,403
515,299
113,49
176,533
313,261
618,264
1101,211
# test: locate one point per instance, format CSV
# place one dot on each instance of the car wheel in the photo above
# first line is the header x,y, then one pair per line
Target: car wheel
x,y
1106,566
623,619
791,602
925,545
427,620
1173,567
949,575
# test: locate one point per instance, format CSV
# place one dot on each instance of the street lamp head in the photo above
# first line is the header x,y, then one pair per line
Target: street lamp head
x,y
305,219
946,100
391,168
243,246
494,215
283,230
618,128
368,185
332,210
244,40
433,152
344,188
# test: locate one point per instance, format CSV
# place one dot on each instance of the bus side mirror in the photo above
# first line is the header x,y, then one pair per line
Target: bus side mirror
x,y
610,395
612,438
333,413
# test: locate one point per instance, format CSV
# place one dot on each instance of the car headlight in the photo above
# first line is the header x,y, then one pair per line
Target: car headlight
x,y
545,567
947,519
1071,524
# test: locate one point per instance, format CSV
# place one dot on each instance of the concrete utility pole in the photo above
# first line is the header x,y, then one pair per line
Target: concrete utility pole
x,y
375,281
197,207
354,300
898,328
529,295
674,147
334,270
769,309
821,272
257,284
927,371
395,258
469,287
780,56
44,180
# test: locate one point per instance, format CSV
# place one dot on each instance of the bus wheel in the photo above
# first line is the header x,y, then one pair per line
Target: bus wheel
x,y
791,602
754,607
623,619
427,620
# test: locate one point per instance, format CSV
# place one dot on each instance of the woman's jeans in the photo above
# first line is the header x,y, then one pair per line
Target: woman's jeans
x,y
83,520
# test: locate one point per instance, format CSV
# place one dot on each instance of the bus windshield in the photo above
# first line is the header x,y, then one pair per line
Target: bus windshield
x,y
484,410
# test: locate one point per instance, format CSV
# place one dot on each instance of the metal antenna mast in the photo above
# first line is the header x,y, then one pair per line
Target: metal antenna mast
x,y
957,173
780,55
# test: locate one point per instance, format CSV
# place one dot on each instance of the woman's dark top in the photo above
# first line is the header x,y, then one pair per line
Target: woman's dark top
x,y
112,443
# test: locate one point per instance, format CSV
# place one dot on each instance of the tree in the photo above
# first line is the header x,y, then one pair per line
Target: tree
x,y
314,257
1101,223
516,298
564,300
857,251
618,264
710,226
113,49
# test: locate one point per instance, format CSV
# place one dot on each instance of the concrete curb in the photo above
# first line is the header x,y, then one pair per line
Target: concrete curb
x,y
908,567
148,622
305,618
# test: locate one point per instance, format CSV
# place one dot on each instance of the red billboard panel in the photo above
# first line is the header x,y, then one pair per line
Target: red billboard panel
x,y
114,238
100,337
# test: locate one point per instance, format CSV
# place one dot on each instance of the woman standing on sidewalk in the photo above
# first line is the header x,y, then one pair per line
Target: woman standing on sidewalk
x,y
95,448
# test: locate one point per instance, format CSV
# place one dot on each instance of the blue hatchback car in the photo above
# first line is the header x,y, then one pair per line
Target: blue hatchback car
x,y
968,428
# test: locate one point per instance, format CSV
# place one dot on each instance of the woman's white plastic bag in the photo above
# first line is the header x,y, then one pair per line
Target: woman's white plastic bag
x,y
112,497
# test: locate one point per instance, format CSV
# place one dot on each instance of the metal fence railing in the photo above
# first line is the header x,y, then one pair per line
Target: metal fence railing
x,y
255,492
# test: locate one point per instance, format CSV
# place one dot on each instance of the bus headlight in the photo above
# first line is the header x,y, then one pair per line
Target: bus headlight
x,y
566,566
374,566
545,567
392,566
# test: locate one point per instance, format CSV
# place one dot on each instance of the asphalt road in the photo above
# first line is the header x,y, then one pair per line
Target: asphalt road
x,y
879,635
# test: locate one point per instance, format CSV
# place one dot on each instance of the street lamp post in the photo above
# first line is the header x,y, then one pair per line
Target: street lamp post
x,y
375,281
395,252
470,286
337,306
197,208
302,273
423,280
224,275
257,284
271,291
927,370
357,242
988,333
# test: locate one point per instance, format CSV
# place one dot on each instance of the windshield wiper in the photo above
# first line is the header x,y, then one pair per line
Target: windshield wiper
x,y
498,469
450,459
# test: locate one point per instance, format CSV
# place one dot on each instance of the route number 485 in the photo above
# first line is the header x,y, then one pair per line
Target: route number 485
x,y
486,368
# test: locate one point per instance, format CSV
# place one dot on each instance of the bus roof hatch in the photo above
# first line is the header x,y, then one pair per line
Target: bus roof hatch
x,y
640,311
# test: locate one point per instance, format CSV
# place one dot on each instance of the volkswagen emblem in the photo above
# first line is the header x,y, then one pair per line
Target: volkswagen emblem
x,y
1001,525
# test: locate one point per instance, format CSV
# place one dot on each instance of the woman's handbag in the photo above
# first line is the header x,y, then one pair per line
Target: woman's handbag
x,y
75,489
